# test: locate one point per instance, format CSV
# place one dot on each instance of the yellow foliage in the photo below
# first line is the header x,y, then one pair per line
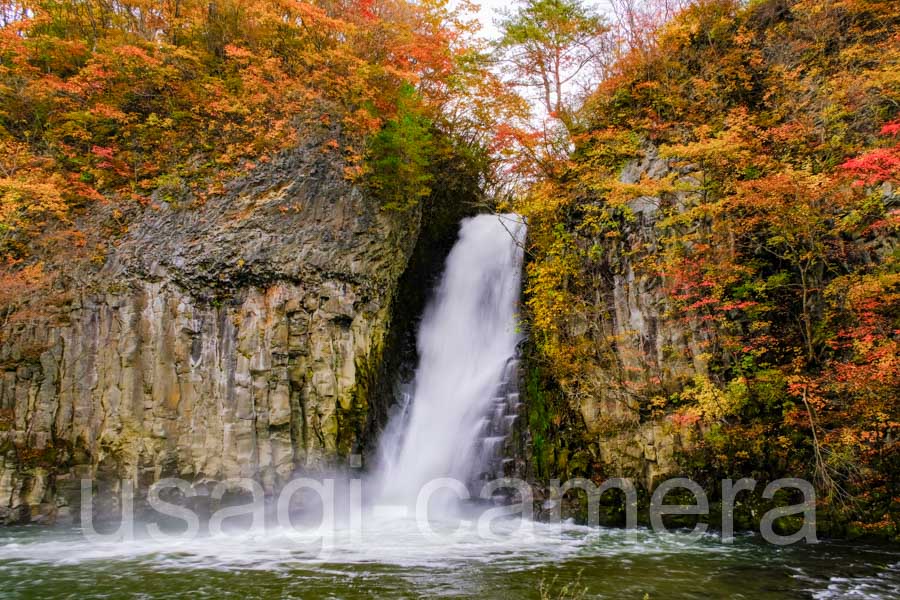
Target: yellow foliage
x,y
713,403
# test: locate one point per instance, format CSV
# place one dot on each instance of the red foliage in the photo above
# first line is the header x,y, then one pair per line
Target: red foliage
x,y
892,128
878,165
875,166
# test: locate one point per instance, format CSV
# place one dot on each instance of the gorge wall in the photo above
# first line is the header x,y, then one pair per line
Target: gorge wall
x,y
631,348
240,338
712,277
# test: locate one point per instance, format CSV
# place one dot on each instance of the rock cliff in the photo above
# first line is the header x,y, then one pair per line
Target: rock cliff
x,y
632,348
239,338
647,351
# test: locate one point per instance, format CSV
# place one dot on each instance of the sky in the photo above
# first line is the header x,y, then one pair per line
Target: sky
x,y
488,14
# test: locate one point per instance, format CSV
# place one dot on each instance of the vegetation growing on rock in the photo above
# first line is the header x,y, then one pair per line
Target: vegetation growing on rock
x,y
719,250
113,108
205,211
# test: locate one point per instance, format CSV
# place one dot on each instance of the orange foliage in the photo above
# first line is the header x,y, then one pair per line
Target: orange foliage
x,y
116,102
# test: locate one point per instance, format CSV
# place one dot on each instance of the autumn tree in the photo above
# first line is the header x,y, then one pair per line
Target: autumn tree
x,y
744,158
547,46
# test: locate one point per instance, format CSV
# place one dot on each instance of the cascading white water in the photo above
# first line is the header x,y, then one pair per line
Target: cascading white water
x,y
467,336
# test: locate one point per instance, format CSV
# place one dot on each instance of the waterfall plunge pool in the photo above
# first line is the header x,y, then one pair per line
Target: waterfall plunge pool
x,y
391,558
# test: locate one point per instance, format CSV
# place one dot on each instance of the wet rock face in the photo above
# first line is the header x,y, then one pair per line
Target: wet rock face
x,y
235,339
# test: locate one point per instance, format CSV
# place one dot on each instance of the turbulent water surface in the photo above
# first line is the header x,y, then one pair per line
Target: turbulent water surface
x,y
467,342
392,559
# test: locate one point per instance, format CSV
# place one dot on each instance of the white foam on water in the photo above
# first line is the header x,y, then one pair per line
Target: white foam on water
x,y
388,537
883,584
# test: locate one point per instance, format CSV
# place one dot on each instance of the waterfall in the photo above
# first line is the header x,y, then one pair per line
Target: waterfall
x,y
463,398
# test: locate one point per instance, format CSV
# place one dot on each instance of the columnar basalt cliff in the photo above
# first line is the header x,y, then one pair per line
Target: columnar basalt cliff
x,y
635,345
646,349
236,339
